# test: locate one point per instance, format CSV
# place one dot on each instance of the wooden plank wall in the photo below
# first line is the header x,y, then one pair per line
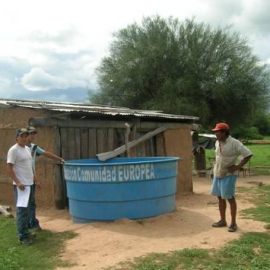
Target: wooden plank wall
x,y
82,143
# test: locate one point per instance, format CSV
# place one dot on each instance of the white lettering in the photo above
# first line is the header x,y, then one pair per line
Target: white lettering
x,y
143,171
113,174
137,172
128,172
131,173
120,173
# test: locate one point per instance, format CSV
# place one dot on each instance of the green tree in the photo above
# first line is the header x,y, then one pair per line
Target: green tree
x,y
262,122
183,68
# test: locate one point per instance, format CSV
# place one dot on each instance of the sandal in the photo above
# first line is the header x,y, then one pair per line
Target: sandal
x,y
219,224
232,228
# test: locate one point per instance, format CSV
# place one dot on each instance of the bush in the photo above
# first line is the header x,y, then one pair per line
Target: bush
x,y
251,133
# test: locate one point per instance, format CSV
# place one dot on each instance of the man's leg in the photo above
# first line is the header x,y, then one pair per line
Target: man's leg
x,y
22,225
33,221
216,191
222,209
22,217
233,206
230,193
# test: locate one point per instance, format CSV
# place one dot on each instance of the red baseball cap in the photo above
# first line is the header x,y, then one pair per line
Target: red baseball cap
x,y
221,126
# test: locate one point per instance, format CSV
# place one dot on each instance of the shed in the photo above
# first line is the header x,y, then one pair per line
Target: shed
x,y
78,131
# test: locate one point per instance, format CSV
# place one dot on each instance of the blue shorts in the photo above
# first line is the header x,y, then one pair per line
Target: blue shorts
x,y
224,187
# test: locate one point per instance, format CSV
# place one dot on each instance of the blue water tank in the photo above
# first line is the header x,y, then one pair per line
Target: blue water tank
x,y
132,188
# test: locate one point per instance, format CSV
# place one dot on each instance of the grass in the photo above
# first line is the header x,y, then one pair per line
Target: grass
x,y
251,251
260,159
261,154
261,198
44,254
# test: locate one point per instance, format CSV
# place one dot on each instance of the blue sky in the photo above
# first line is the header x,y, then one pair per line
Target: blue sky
x,y
49,49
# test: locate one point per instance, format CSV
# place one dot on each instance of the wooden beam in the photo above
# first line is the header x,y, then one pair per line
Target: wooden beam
x,y
107,155
103,123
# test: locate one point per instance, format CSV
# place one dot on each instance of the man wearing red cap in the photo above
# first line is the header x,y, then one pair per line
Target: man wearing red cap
x,y
228,149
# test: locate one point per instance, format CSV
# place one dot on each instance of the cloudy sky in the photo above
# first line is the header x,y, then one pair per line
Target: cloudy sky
x,y
49,49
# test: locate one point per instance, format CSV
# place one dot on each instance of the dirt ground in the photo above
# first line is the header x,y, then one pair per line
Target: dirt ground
x,y
100,245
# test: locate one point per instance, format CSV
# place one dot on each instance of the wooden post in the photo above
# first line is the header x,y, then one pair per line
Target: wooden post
x,y
178,143
127,131
59,185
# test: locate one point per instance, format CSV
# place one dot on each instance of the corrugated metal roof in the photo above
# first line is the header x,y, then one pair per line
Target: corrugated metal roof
x,y
94,109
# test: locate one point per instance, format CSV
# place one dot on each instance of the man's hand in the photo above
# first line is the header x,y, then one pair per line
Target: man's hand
x,y
37,184
233,168
21,186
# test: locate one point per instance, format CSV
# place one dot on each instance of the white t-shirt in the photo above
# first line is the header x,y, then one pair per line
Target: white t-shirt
x,y
21,159
227,154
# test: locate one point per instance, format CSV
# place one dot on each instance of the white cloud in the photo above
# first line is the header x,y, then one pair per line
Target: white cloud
x,y
57,44
5,84
38,80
